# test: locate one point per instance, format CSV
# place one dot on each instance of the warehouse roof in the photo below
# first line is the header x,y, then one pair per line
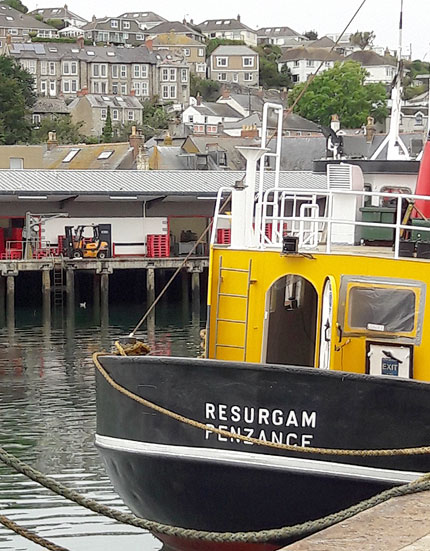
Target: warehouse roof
x,y
126,182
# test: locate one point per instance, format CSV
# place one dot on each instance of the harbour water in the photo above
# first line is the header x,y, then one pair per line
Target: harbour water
x,y
47,418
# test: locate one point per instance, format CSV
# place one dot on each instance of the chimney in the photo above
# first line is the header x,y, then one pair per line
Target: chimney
x,y
192,21
80,42
199,99
94,18
142,160
184,21
136,140
148,44
8,39
335,123
82,92
238,17
132,92
250,131
260,92
52,141
225,93
370,129
220,128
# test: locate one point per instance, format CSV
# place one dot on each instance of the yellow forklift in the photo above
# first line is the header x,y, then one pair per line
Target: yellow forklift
x,y
97,245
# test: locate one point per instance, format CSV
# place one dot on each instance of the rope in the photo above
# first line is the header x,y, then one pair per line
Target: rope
x,y
262,536
287,447
196,244
38,540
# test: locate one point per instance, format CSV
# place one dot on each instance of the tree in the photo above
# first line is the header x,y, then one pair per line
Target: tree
x,y
57,23
269,75
341,90
362,40
16,4
67,132
155,117
16,98
311,35
208,89
107,130
215,42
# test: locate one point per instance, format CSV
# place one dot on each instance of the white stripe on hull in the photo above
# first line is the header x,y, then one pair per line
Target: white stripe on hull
x,y
294,464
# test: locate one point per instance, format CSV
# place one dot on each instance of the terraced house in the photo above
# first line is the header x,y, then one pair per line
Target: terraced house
x,y
114,30
64,70
237,64
193,51
20,26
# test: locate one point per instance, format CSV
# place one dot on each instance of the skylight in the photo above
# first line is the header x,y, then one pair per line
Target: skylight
x,y
90,52
227,22
110,54
219,22
75,51
9,18
120,99
71,155
105,98
105,155
53,50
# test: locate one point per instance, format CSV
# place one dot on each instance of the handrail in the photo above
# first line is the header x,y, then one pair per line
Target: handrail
x,y
217,214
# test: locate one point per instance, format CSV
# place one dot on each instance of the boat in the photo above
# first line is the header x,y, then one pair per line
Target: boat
x,y
317,339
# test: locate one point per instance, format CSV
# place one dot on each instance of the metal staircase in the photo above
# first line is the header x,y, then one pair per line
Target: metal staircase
x,y
222,292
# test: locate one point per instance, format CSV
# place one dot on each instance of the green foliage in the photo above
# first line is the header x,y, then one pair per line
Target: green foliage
x,y
107,130
59,40
16,99
38,17
155,117
57,23
341,90
413,91
67,132
269,75
362,40
121,132
208,89
311,35
215,42
16,4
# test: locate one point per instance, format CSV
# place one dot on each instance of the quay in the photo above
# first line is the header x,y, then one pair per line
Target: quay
x,y
402,523
58,275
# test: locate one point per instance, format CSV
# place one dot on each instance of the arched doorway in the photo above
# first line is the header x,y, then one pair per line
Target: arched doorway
x,y
291,318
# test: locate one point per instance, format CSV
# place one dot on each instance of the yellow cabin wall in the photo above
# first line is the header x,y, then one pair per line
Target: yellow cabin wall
x,y
269,266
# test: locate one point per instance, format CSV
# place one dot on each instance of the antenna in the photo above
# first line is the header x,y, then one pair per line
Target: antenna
x,y
396,149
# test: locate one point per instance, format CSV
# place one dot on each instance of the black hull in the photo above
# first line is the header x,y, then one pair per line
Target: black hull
x,y
183,476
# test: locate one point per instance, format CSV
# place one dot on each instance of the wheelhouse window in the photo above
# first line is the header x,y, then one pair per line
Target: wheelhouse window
x,y
381,307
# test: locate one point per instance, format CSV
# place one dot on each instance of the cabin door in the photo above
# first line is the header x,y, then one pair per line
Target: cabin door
x,y
291,319
326,325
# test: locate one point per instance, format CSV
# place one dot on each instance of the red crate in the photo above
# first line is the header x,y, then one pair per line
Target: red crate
x,y
157,245
224,236
268,230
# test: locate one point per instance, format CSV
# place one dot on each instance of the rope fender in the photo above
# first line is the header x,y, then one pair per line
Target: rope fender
x,y
262,536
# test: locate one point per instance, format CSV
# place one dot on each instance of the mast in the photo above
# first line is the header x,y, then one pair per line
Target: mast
x,y
396,149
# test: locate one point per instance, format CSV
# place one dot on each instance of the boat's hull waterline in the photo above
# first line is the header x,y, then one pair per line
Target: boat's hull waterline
x,y
180,475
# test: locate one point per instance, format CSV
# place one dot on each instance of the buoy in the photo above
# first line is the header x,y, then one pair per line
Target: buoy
x,y
423,183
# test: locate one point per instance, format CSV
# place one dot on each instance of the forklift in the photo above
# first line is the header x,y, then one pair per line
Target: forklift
x,y
99,245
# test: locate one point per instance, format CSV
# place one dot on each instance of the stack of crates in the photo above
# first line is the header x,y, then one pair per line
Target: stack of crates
x,y
224,236
157,246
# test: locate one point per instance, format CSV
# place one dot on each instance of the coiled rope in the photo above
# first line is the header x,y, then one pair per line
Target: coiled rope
x,y
227,434
261,536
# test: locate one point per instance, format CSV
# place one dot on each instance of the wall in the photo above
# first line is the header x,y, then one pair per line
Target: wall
x,y
31,154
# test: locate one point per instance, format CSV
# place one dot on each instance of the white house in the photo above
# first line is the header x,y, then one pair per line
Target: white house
x,y
379,68
303,62
232,29
205,117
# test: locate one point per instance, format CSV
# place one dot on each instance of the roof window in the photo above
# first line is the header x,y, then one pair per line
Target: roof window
x,y
9,18
71,155
111,54
90,52
54,50
105,155
75,51
105,98
219,22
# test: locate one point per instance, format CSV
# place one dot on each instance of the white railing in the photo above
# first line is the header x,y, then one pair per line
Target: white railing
x,y
309,215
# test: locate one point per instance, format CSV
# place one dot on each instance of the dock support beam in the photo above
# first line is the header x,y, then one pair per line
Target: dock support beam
x,y
70,289
195,290
150,297
10,299
46,294
104,298
96,297
2,300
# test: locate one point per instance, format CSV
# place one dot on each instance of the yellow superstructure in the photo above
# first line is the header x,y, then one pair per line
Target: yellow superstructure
x,y
241,304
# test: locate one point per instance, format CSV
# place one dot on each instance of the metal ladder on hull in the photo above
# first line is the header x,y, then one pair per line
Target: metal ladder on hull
x,y
220,294
58,284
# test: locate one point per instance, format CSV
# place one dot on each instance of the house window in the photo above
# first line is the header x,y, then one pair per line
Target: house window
x,y
211,129
309,63
115,71
95,87
29,65
201,67
103,70
52,68
222,62
164,74
96,70
130,115
66,86
123,71
43,68
43,87
115,114
115,88
184,75
114,24
187,52
235,77
222,76
124,89
126,24
144,88
136,87
103,114
248,61
168,91
296,63
36,119
247,77
201,52
66,68
191,118
199,129
140,37
419,119
140,71
16,163
173,91
73,68
172,74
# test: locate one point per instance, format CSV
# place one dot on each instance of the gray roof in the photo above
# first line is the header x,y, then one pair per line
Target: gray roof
x,y
323,42
58,51
175,26
143,16
277,31
368,58
316,54
50,105
19,20
217,110
222,25
105,25
169,157
104,101
251,120
123,182
233,50
56,13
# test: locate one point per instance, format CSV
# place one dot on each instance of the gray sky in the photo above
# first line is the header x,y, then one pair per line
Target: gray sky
x,y
326,16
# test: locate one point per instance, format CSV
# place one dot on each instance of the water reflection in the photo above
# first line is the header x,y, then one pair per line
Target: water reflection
x,y
47,418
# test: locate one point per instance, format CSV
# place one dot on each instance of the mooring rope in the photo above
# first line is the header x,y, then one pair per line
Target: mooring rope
x,y
261,536
29,535
422,450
